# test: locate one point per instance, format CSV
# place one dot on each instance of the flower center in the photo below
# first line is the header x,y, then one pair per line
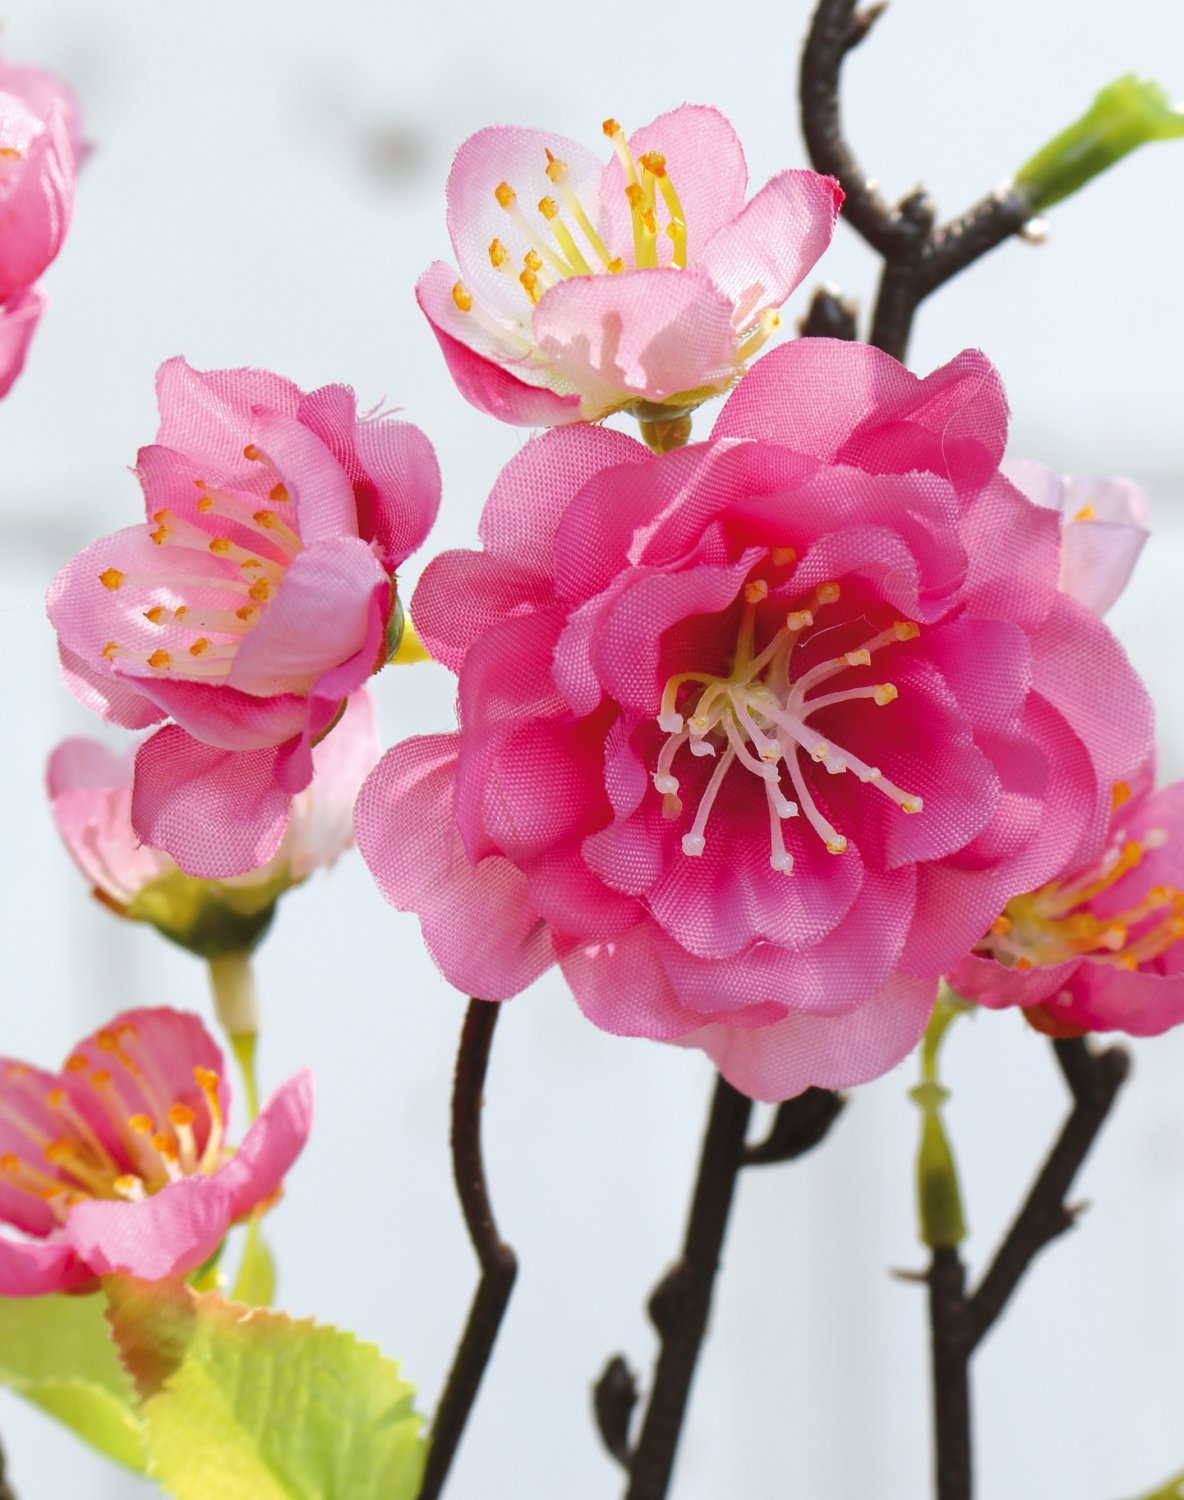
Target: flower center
x,y
758,717
1056,923
236,583
150,1137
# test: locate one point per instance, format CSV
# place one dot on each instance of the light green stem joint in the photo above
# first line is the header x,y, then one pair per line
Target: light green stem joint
x,y
237,1004
1126,113
941,1223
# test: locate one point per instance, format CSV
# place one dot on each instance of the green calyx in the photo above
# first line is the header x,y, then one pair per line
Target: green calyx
x,y
209,917
1126,113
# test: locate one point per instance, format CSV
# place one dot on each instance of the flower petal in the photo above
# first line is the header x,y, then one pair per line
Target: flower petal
x,y
37,1270
18,323
169,1234
270,1147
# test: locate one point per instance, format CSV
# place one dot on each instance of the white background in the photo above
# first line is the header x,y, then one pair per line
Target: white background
x,y
267,185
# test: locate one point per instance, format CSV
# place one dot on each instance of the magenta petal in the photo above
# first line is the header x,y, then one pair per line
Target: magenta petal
x,y
37,1270
483,367
169,1234
270,1147
642,335
318,618
217,812
780,1061
758,258
37,195
477,921
18,323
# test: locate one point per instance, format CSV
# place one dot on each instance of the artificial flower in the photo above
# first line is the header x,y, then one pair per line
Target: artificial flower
x,y
645,283
120,1162
255,599
756,737
39,145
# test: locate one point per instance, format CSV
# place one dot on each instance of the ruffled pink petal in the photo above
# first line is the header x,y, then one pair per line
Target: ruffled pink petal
x,y
321,494
206,414
90,793
270,1147
780,1061
321,823
758,258
642,335
318,618
850,403
484,368
36,193
531,494
38,1270
390,465
492,588
18,323
169,1234
704,161
477,922
116,701
217,812
515,155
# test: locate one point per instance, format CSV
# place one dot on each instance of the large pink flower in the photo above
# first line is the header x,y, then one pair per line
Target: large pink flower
x,y
1101,947
39,145
120,1161
644,283
18,323
757,737
257,597
90,791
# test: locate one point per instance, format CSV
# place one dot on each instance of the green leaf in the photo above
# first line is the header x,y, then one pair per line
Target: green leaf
x,y
1173,1490
57,1352
247,1404
255,1283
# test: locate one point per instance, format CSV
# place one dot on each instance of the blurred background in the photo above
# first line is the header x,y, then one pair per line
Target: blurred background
x,y
266,186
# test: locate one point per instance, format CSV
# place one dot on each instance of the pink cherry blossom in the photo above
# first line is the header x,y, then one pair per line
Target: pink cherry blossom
x,y
1104,527
90,791
120,1162
645,283
756,737
18,323
1101,947
39,144
258,596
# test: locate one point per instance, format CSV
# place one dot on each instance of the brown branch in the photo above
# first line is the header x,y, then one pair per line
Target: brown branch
x,y
499,1265
918,257
959,1321
798,1126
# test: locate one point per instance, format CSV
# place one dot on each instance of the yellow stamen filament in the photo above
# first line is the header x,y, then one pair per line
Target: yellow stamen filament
x,y
559,172
767,324
130,1188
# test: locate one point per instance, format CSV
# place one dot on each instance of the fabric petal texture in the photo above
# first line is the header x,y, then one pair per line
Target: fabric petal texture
x,y
757,737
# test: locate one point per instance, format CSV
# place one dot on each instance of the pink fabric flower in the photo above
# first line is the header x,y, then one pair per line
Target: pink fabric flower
x,y
39,143
119,1162
1100,948
1105,526
647,282
18,323
255,600
756,737
90,791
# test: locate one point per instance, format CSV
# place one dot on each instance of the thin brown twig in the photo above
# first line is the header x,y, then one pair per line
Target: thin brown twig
x,y
918,257
959,1320
499,1265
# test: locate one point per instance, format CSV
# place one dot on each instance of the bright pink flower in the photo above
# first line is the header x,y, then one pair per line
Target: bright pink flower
x,y
18,323
90,791
667,664
1100,948
120,1161
257,597
39,143
645,282
1105,526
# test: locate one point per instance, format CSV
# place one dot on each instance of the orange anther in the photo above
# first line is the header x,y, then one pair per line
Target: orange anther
x,y
548,208
611,128
653,162
504,194
160,661
199,647
279,493
220,545
462,297
498,254
155,614
111,578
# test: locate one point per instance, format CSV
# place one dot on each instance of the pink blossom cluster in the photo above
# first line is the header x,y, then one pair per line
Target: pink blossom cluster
x,y
40,147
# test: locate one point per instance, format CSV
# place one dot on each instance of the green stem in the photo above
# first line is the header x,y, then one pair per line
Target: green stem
x,y
244,1050
237,1005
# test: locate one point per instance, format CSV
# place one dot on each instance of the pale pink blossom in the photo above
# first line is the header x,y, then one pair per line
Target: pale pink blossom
x,y
39,144
1101,947
119,1162
257,597
90,792
756,737
1104,525
643,283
